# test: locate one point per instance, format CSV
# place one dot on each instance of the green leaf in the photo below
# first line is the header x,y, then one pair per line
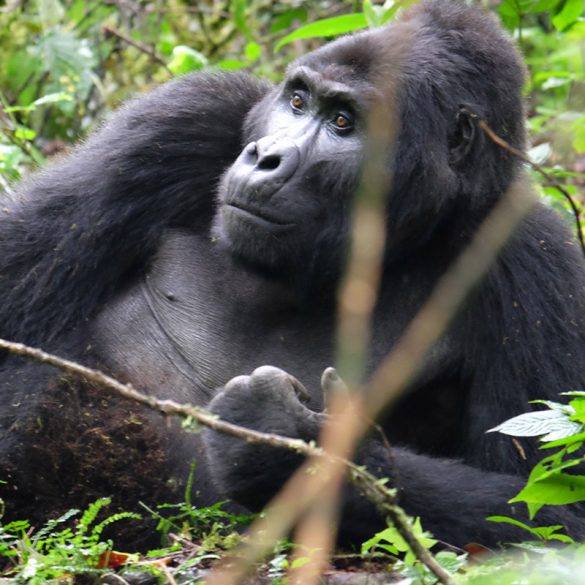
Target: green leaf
x,y
537,6
578,128
556,489
513,521
568,14
550,423
373,13
328,27
238,10
570,440
185,59
253,51
284,20
53,98
230,64
392,542
24,133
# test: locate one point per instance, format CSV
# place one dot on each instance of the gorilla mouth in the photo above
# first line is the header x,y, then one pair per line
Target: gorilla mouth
x,y
258,216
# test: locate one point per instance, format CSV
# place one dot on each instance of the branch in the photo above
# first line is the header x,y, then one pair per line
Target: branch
x,y
166,407
108,30
524,158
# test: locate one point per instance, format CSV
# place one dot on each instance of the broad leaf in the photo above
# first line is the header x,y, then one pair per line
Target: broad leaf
x,y
553,424
568,14
328,27
556,489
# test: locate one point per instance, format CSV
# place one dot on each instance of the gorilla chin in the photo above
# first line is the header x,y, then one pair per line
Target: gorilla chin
x,y
260,244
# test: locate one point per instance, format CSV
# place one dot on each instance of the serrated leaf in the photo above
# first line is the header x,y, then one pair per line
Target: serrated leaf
x,y
535,424
328,27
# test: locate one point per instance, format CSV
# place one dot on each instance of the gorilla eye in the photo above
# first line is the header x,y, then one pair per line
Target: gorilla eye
x,y
297,102
343,121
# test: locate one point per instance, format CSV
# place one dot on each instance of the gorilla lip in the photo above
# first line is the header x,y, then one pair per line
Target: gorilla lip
x,y
257,217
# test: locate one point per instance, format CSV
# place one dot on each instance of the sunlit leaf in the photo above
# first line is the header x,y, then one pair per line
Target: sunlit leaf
x,y
550,423
24,133
328,27
569,13
230,64
253,51
53,98
185,59
556,489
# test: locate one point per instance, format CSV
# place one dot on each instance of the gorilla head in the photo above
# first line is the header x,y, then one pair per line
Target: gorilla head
x,y
283,204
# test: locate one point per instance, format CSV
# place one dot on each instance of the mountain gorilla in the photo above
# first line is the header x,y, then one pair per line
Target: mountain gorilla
x,y
161,254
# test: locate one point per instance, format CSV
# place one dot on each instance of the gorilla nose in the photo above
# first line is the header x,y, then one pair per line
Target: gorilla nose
x,y
273,159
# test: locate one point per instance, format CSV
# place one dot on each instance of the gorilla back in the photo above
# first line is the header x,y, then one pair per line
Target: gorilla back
x,y
142,256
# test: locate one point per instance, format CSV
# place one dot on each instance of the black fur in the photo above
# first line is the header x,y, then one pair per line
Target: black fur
x,y
140,255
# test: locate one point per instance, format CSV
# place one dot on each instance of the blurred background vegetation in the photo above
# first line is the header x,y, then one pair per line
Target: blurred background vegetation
x,y
65,63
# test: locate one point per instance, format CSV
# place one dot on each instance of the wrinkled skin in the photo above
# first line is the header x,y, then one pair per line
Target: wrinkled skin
x,y
193,247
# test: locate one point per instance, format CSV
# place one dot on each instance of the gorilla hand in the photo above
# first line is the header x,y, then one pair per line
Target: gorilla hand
x,y
269,400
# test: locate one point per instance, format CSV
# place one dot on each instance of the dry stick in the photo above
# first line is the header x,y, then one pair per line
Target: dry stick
x,y
357,296
108,30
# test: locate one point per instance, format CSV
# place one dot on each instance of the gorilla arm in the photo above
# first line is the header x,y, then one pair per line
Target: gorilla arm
x,y
79,227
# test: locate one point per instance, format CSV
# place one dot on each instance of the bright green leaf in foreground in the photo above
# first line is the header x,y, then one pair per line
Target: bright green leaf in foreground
x,y
556,489
328,27
185,59
568,14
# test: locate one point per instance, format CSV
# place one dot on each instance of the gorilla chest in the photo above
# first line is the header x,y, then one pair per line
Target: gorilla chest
x,y
196,320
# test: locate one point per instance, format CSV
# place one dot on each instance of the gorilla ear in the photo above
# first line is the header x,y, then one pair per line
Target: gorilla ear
x,y
462,137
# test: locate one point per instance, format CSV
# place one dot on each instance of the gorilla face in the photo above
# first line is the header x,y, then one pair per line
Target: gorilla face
x,y
284,201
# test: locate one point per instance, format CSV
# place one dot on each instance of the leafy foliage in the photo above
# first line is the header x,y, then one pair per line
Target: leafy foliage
x,y
58,549
561,427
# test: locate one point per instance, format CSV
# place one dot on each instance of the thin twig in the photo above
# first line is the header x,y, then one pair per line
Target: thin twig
x,y
523,157
108,30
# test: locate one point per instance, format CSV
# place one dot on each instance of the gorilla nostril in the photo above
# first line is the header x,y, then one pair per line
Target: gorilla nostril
x,y
269,162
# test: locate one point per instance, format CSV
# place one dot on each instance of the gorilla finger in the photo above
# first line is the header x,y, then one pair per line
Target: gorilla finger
x,y
332,385
272,376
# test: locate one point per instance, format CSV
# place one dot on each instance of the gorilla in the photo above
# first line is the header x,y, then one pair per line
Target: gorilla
x,y
201,234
